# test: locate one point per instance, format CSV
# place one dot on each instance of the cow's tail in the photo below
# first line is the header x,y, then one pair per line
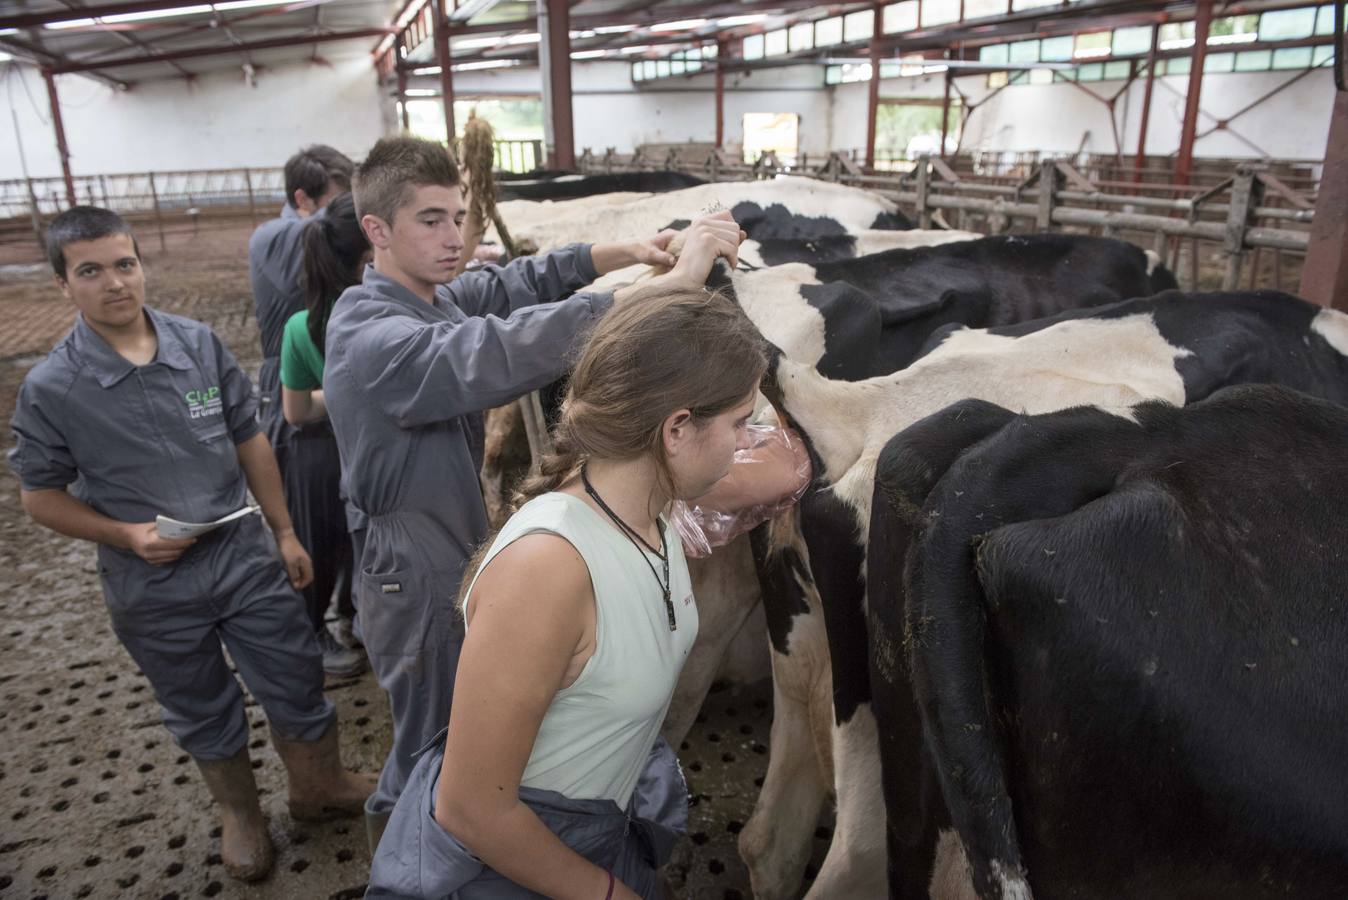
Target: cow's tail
x,y
946,627
1160,278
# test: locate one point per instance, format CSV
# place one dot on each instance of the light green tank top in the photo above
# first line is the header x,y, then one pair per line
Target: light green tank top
x,y
596,734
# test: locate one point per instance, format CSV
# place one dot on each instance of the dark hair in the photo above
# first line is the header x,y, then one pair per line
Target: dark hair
x,y
395,168
313,168
334,245
82,223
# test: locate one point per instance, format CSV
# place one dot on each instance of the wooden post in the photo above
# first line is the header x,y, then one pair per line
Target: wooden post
x,y
923,185
873,92
945,115
1245,195
1324,277
1048,186
61,147
1146,105
440,34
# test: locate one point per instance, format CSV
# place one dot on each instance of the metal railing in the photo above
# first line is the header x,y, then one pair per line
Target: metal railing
x,y
1234,213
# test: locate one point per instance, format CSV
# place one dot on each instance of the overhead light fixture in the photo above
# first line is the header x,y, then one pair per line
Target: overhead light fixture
x,y
486,64
639,49
228,5
582,35
427,70
1177,44
132,16
7,31
588,54
5,57
420,92
474,43
732,21
532,37
1091,52
1234,38
681,25
614,29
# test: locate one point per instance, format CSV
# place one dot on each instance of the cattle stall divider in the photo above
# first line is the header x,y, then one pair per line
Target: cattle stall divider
x,y
1055,195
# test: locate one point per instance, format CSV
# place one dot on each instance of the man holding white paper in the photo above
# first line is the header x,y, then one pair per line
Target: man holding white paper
x,y
153,416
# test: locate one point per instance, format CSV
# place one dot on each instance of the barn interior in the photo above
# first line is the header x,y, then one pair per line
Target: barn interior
x,y
1211,135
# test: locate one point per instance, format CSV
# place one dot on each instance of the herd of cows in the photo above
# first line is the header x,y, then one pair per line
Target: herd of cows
x,y
1063,614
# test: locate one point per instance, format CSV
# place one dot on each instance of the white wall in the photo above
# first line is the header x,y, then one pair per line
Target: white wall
x,y
215,121
1055,117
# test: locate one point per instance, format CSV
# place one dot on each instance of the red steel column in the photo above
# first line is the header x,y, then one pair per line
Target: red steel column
x,y
1202,22
1146,105
720,94
1324,277
873,94
61,145
440,32
945,114
559,73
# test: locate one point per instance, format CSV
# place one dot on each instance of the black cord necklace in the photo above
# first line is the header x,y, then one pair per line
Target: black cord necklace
x,y
639,542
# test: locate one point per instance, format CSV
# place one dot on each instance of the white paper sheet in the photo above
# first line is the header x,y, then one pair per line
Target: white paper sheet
x,y
172,528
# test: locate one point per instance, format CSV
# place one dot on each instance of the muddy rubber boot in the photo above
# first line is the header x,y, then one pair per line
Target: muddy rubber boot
x,y
320,789
375,823
245,846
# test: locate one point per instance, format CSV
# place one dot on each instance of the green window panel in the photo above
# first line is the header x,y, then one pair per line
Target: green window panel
x,y
1091,72
801,36
978,9
940,12
1180,66
1132,41
1057,49
774,43
1025,52
858,26
1287,24
828,32
1219,62
753,46
1293,58
995,54
1254,60
1321,55
1118,70
902,17
1094,44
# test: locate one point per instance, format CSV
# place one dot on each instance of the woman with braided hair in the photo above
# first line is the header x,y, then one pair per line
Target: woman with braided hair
x,y
551,778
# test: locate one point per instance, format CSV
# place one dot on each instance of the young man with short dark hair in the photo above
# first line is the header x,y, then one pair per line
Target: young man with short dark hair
x,y
313,177
152,415
409,358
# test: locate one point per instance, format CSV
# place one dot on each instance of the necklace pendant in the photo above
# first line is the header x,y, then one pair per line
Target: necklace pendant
x,y
669,608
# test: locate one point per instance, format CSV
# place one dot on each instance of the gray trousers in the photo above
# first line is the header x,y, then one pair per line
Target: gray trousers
x,y
412,634
229,589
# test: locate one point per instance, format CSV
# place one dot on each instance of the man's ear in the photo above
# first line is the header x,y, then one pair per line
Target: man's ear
x,y
304,203
377,231
677,431
63,285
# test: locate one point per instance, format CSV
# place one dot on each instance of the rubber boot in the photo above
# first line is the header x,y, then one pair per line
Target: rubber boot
x,y
375,823
320,789
245,846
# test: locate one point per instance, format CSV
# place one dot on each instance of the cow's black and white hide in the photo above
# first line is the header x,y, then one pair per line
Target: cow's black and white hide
x,y
1174,347
1128,645
561,186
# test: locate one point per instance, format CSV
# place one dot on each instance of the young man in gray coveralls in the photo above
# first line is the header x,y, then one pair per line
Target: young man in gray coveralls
x,y
151,414
409,357
313,177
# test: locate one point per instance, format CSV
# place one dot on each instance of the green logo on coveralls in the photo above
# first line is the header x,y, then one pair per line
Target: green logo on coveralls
x,y
203,403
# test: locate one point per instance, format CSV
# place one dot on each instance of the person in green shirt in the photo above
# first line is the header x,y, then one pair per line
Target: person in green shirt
x,y
335,251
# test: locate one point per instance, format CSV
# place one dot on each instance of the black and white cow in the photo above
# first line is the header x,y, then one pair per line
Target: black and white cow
x,y
1128,641
563,186
1173,347
850,320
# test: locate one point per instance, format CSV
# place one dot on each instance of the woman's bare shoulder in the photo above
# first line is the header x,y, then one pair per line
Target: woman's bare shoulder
x,y
540,576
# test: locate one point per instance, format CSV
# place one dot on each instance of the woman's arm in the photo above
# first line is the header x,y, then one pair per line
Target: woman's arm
x,y
302,407
531,625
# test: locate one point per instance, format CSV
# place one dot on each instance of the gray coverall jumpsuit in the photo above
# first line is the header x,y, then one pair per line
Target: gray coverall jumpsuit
x,y
160,438
401,375
306,457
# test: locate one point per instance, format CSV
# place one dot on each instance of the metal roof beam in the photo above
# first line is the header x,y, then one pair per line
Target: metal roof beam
x,y
37,20
247,47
